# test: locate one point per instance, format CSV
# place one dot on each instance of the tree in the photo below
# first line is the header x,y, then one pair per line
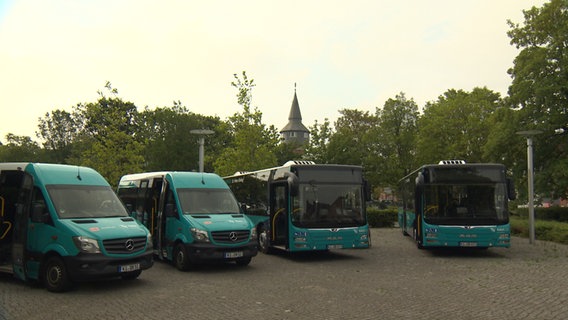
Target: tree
x,y
394,152
456,126
20,148
253,143
539,90
108,140
350,144
58,130
317,149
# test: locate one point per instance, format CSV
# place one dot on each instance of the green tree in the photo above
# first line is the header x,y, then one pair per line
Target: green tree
x,y
168,143
317,148
350,144
456,126
539,91
58,130
394,150
253,143
20,148
108,140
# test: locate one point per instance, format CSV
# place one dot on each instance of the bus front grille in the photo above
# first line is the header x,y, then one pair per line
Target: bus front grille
x,y
230,236
124,245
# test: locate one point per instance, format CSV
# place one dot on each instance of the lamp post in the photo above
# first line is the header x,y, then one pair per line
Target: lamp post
x,y
201,133
529,134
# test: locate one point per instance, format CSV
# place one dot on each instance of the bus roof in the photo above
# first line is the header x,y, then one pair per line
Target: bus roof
x,y
50,174
179,179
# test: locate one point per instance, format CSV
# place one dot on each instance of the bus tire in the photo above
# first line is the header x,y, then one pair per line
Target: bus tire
x,y
55,277
263,241
131,275
181,258
242,262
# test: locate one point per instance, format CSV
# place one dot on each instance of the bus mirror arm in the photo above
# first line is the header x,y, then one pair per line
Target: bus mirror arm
x,y
511,189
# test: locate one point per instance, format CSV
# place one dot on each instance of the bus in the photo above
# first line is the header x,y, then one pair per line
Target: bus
x,y
60,224
194,217
303,206
456,204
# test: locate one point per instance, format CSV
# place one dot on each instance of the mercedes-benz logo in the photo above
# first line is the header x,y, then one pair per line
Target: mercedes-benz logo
x,y
233,236
129,244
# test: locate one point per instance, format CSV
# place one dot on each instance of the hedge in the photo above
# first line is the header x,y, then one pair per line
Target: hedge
x,y
553,213
382,218
544,230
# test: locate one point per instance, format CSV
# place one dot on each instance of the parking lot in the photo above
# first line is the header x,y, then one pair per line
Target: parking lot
x,y
392,280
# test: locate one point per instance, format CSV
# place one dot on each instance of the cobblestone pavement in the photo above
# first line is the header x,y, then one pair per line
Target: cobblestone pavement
x,y
392,280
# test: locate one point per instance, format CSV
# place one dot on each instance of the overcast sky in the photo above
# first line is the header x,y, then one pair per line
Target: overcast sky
x,y
341,54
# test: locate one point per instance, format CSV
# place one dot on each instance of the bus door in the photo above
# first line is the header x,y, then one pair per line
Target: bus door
x,y
22,230
164,210
279,213
10,187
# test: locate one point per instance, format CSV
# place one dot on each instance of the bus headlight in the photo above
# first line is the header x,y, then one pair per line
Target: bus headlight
x,y
87,245
150,243
199,235
253,234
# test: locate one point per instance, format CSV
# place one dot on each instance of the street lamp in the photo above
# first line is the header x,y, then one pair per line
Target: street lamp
x,y
201,133
529,134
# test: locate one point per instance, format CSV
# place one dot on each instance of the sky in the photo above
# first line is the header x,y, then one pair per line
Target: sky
x,y
336,54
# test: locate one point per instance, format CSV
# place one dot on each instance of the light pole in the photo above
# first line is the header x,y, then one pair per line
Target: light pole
x,y
201,133
529,134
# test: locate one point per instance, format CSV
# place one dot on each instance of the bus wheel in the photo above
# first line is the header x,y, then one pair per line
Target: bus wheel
x,y
55,278
263,241
181,258
131,275
243,261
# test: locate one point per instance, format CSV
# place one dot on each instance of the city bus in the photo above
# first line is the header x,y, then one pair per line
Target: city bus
x,y
456,204
193,216
303,206
60,224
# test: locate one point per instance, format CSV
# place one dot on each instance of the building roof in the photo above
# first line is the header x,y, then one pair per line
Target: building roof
x,y
295,118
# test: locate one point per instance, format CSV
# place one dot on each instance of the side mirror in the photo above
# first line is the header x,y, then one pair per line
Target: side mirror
x,y
420,179
170,210
293,183
511,189
367,190
39,213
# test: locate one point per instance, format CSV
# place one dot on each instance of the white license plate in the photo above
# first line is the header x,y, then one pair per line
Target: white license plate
x,y
129,267
235,254
335,246
468,244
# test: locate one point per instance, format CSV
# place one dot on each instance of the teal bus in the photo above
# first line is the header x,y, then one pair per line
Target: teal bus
x,y
456,204
60,224
303,206
194,217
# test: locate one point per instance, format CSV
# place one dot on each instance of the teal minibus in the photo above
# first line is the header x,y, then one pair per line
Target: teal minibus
x,y
194,217
61,224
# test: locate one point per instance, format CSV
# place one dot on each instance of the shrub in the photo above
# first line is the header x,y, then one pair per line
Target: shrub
x,y
544,230
382,218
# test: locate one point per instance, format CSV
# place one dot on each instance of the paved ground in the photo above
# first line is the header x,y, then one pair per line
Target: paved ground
x,y
392,280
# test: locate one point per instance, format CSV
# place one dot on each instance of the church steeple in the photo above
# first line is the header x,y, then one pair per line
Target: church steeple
x,y
295,131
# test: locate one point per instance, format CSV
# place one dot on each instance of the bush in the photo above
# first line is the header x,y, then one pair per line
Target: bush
x,y
382,218
553,213
544,230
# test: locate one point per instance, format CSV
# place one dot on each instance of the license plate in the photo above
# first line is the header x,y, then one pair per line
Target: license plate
x,y
235,254
129,267
468,244
335,246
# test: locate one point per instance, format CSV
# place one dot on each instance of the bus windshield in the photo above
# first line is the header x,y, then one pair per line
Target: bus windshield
x,y
328,206
472,204
72,202
207,201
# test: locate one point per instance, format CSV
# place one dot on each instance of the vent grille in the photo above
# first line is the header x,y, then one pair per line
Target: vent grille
x,y
452,162
230,236
124,245
302,162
